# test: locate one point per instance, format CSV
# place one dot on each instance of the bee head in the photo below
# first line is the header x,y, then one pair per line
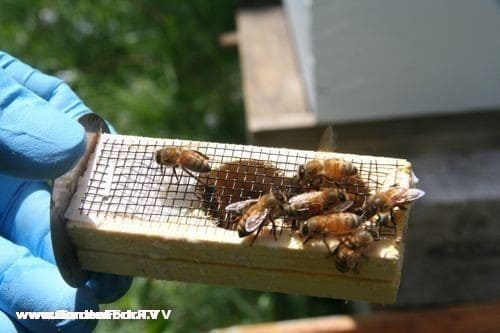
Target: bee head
x,y
304,230
302,172
342,265
281,196
342,195
374,204
158,156
345,259
364,237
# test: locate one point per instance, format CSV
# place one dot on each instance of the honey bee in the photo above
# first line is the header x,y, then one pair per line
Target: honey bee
x,y
349,251
315,172
187,159
255,213
382,203
308,204
235,212
334,224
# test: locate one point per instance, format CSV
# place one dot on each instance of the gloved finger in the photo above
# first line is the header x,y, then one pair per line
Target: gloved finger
x,y
26,222
52,89
28,283
36,141
25,216
9,325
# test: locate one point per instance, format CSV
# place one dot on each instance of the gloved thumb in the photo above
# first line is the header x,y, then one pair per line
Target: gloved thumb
x,y
36,141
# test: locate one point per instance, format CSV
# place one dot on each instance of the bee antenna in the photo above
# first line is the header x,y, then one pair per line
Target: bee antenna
x,y
193,176
363,216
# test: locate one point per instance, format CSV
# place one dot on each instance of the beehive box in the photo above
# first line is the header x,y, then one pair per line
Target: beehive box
x,y
127,216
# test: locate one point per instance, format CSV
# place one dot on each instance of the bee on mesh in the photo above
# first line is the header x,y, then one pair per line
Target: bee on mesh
x,y
187,159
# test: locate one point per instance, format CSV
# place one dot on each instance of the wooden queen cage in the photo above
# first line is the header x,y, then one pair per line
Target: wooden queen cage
x,y
120,213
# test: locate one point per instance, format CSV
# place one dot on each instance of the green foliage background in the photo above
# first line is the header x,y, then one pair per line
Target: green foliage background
x,y
153,68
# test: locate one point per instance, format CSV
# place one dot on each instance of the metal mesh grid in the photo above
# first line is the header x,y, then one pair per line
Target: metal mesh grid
x,y
124,180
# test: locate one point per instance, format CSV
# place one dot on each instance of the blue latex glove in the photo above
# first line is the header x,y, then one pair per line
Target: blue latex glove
x,y
40,139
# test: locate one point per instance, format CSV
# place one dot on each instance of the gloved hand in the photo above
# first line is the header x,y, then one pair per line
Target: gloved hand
x,y
40,139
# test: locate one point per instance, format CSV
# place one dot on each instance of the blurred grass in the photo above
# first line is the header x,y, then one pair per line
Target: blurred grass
x,y
199,308
153,68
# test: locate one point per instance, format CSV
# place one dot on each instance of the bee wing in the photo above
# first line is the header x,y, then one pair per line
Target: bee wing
x,y
402,195
240,207
254,221
339,208
308,196
327,143
343,206
201,154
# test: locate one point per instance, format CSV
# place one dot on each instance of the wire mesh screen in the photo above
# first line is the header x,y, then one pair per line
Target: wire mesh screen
x,y
124,180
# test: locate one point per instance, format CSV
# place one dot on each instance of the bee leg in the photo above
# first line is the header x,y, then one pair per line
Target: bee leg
x,y
293,226
213,206
200,200
379,220
192,176
393,215
175,174
330,253
281,229
229,221
307,240
274,228
296,225
257,234
223,222
198,196
390,222
254,238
